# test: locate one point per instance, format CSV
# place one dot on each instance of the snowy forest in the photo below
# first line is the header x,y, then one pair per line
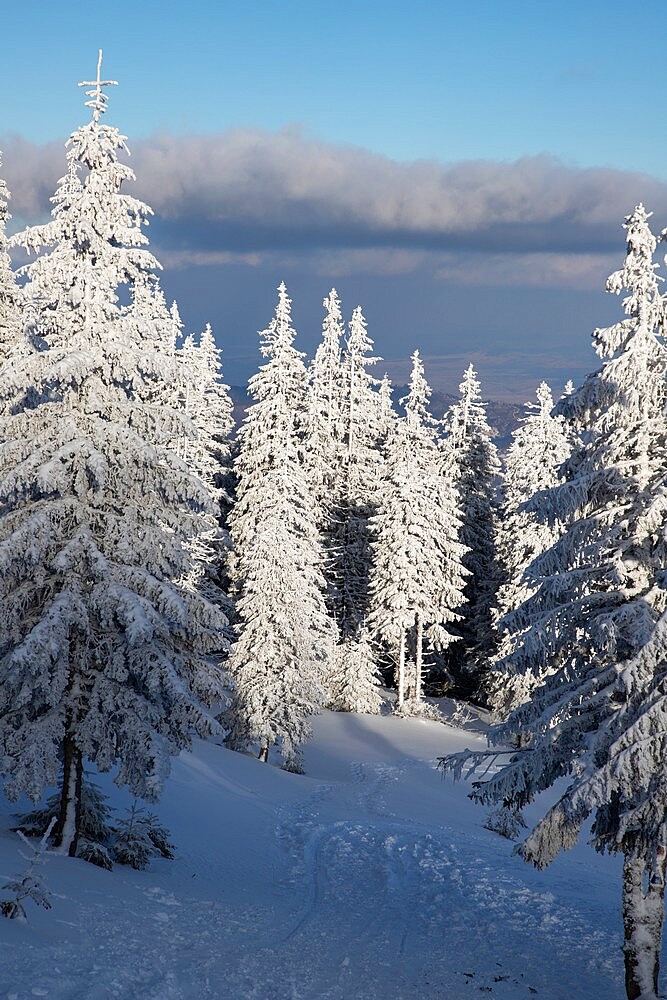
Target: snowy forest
x,y
166,576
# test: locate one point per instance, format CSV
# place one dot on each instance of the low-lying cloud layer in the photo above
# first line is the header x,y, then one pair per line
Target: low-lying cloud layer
x,y
243,194
500,263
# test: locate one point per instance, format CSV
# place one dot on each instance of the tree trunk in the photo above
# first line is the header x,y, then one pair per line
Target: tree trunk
x,y
401,671
66,833
419,655
263,753
643,914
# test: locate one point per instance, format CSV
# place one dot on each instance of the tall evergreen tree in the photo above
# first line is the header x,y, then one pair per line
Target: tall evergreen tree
x,y
208,407
149,319
10,315
355,492
533,463
104,647
387,414
205,402
285,639
599,617
417,577
476,468
325,400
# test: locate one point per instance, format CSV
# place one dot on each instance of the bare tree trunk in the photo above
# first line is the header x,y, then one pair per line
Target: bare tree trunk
x,y
401,671
68,825
419,655
643,914
66,833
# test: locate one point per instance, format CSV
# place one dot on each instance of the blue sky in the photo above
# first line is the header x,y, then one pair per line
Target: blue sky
x,y
494,79
302,82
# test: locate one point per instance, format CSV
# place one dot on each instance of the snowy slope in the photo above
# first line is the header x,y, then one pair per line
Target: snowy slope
x,y
369,877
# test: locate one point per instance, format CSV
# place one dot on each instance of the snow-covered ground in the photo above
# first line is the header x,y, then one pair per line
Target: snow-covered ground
x,y
368,877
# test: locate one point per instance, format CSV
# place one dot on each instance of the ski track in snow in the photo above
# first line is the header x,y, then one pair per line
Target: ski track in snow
x,y
398,906
362,903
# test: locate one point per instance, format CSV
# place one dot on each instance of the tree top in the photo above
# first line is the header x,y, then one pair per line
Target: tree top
x,y
98,99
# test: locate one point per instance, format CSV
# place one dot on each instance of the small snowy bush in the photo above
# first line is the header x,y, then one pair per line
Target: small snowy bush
x,y
138,838
30,884
416,708
94,854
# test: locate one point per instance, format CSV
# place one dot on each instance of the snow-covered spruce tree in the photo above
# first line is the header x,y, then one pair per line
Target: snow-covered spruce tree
x,y
138,837
476,468
357,481
285,642
10,315
354,681
347,417
417,575
599,616
325,401
207,406
149,319
104,647
533,463
387,414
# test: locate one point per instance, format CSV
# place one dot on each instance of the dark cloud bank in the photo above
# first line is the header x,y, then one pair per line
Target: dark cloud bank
x,y
497,261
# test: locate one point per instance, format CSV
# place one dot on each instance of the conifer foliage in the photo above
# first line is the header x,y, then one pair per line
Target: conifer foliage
x,y
285,642
356,489
417,577
354,681
597,624
10,318
104,647
208,407
30,884
476,468
533,464
357,536
326,395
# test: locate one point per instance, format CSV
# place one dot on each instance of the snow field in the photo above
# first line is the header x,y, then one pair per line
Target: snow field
x,y
369,877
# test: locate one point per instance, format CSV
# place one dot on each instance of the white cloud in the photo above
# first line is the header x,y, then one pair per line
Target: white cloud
x,y
246,196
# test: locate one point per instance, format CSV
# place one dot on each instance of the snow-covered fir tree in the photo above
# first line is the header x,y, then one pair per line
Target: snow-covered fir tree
x,y
357,481
476,468
325,401
532,464
104,647
599,616
139,837
417,577
387,414
149,318
355,679
285,643
348,422
207,406
10,315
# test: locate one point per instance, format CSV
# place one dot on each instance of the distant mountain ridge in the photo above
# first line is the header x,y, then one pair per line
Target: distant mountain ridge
x,y
504,417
